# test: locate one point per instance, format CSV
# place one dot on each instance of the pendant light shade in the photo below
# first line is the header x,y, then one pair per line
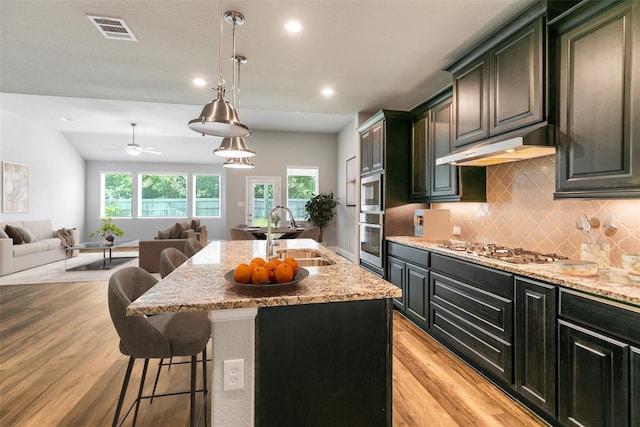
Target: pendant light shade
x,y
219,118
233,147
238,163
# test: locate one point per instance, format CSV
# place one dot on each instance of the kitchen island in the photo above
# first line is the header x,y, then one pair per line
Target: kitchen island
x,y
316,353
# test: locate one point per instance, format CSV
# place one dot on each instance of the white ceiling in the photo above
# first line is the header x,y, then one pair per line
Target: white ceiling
x,y
375,54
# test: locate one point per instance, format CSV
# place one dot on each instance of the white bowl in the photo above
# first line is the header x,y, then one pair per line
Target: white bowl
x,y
631,263
577,268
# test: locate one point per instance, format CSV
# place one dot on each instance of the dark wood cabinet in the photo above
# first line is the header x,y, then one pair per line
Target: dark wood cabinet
x,y
419,160
535,343
433,138
593,378
517,87
471,102
499,85
372,149
598,154
407,268
471,312
396,274
635,386
417,294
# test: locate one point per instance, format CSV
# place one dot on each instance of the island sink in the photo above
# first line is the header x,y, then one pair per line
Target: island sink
x,y
313,262
298,253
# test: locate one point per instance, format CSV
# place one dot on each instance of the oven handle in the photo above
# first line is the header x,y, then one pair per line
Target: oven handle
x,y
366,224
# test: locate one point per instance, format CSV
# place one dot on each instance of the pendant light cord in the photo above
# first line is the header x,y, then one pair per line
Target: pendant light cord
x,y
221,79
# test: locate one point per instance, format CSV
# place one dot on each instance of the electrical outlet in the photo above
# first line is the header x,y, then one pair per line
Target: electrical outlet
x,y
233,374
457,230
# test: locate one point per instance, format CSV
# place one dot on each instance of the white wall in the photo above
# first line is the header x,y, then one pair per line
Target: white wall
x,y
347,216
274,152
146,228
56,170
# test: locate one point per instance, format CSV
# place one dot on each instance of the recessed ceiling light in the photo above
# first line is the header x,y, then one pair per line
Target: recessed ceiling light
x,y
327,91
68,119
199,82
293,26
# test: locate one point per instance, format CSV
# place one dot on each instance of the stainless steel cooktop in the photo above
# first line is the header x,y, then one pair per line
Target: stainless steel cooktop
x,y
502,253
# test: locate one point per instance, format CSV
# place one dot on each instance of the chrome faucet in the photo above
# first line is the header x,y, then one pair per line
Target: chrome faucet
x,y
269,237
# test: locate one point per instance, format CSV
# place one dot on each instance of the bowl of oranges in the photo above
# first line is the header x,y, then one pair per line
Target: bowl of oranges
x,y
259,273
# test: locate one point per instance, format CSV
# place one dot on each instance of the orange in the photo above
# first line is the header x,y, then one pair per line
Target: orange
x,y
242,274
254,265
271,268
284,273
259,261
276,261
260,276
293,263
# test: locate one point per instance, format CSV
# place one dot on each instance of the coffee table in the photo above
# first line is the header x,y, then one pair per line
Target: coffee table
x,y
92,246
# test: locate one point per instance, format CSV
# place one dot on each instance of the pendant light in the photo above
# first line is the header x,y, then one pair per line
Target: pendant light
x,y
228,144
219,118
235,146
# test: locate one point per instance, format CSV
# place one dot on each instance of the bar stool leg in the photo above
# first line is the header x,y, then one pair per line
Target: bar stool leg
x,y
123,392
144,375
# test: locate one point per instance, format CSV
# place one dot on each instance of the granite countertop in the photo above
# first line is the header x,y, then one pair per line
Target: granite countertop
x,y
199,285
615,283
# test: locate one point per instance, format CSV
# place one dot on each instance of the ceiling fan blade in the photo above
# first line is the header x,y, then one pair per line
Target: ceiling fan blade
x,y
150,150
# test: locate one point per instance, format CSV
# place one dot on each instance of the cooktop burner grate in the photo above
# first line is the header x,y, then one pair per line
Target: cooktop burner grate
x,y
502,253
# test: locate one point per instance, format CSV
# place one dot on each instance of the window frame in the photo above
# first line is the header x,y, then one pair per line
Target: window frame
x,y
303,168
140,175
103,175
194,197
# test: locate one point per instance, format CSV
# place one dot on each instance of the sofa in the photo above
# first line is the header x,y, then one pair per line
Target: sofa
x,y
174,236
34,243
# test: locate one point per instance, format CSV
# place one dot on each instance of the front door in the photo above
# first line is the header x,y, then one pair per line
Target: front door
x,y
263,193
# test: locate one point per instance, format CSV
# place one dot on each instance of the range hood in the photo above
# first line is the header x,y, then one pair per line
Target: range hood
x,y
534,141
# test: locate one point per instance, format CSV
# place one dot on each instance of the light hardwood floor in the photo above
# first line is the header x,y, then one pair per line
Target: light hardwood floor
x,y
60,366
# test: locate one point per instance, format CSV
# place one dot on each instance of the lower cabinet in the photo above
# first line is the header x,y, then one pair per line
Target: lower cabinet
x,y
598,379
407,268
471,312
594,378
535,343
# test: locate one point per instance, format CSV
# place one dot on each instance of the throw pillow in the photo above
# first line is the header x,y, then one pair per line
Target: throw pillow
x,y
194,224
176,233
14,234
165,233
27,235
3,234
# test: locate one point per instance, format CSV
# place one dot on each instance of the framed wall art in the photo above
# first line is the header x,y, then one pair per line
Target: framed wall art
x,y
352,190
15,187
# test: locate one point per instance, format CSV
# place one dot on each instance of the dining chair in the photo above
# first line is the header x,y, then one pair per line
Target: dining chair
x,y
170,259
155,337
239,234
310,233
192,247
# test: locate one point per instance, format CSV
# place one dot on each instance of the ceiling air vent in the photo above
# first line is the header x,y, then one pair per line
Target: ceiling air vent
x,y
112,28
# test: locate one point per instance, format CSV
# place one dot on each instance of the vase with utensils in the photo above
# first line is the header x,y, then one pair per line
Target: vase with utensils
x,y
593,246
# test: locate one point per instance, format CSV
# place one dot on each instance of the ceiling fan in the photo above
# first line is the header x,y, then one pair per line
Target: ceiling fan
x,y
134,149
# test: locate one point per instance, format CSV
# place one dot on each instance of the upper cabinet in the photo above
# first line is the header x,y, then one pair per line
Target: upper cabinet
x,y
598,153
372,149
499,86
385,147
433,138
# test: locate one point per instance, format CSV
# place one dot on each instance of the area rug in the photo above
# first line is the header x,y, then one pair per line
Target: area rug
x,y
56,273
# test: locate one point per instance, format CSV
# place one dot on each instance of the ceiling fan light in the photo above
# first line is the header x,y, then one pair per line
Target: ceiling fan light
x,y
133,151
233,147
238,163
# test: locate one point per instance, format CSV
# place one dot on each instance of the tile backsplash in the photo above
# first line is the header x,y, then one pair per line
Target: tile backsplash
x,y
520,212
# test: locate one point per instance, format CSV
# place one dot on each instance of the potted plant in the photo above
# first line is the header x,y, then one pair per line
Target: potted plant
x,y
321,209
275,220
108,231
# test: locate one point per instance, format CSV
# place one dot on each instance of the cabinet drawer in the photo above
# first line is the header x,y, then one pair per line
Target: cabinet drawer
x,y
483,309
464,318
606,316
490,280
417,256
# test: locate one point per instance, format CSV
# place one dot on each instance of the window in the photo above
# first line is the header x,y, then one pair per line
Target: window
x,y
115,195
206,197
302,185
163,195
